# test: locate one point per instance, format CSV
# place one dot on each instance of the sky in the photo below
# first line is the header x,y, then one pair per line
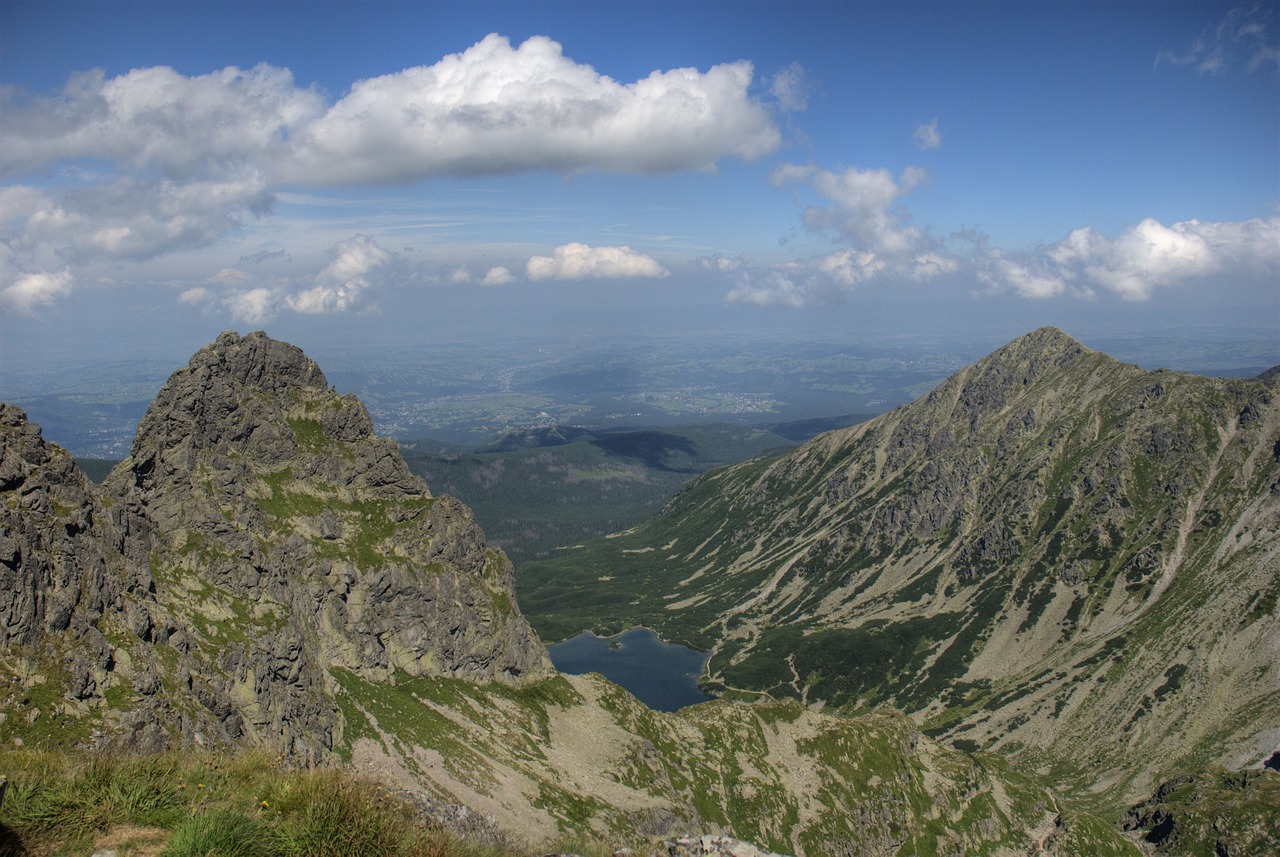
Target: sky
x,y
429,171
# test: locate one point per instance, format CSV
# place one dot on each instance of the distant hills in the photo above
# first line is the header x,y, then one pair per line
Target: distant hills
x,y
1052,554
537,490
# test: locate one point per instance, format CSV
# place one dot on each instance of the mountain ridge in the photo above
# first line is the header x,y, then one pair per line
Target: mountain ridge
x,y
1007,557
263,571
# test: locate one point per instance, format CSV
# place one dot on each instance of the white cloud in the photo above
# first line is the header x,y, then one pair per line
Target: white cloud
x,y
862,205
850,267
29,291
358,266
158,119
926,136
496,109
196,296
153,162
1133,266
791,88
497,276
1142,259
342,284
1002,274
253,306
926,266
721,264
782,285
578,261
136,219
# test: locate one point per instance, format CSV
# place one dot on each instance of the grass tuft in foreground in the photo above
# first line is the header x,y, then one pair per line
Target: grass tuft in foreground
x,y
245,805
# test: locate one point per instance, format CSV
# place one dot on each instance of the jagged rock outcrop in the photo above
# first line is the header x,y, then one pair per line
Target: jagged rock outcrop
x,y
53,563
259,535
1052,552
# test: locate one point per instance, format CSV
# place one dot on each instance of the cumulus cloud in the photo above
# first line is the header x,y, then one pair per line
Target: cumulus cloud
x,y
357,268
926,136
827,279
134,219
496,109
790,88
862,208
29,291
579,261
154,162
346,279
497,276
721,264
861,205
1142,259
1242,38
1132,266
157,119
252,306
196,295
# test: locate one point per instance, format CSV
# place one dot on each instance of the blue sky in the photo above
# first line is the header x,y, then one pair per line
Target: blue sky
x,y
431,170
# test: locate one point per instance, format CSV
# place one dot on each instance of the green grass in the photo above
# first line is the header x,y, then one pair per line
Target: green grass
x,y
206,805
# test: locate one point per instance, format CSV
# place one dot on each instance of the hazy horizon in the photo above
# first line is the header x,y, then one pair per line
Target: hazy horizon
x,y
417,175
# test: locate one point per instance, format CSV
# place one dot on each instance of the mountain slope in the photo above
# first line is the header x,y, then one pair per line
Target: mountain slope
x,y
264,571
1052,552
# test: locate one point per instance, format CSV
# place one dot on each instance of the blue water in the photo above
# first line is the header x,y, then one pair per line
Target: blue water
x,y
664,676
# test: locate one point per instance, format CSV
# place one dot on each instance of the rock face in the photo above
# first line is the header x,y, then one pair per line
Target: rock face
x,y
1051,552
258,536
53,565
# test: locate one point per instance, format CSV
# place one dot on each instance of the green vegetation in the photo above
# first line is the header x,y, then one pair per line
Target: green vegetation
x,y
539,490
1043,498
367,524
196,805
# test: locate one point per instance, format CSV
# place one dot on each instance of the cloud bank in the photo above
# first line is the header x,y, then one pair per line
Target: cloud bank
x,y
358,267
1132,267
153,162
579,262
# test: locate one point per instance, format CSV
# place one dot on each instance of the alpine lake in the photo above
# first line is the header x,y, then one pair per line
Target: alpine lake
x,y
664,676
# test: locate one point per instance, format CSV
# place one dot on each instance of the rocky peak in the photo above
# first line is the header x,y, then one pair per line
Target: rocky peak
x,y
259,536
257,401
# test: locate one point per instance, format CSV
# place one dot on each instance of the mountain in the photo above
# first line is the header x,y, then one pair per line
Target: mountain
x,y
258,533
535,490
264,571
1052,554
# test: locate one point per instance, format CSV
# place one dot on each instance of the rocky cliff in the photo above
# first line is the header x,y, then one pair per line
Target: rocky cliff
x,y
1052,553
258,535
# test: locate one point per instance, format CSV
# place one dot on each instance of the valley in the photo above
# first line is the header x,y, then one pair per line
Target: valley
x,y
985,620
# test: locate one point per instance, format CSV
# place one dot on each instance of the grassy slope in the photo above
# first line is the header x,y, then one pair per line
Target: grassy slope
x,y
576,755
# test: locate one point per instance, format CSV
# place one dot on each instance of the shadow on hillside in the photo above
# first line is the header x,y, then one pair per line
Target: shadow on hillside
x,y
653,448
